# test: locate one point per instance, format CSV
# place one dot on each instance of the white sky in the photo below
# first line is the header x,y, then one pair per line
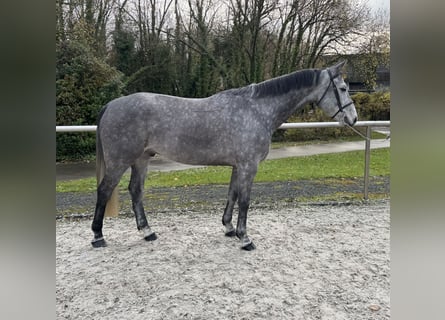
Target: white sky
x,y
379,4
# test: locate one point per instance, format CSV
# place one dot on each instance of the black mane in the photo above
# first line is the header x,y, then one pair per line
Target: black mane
x,y
283,84
279,85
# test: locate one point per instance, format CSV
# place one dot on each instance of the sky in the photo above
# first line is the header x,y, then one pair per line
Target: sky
x,y
377,4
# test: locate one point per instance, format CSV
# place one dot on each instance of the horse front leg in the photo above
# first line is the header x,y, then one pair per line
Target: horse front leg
x,y
246,176
231,200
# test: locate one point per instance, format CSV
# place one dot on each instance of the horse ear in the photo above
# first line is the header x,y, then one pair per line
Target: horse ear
x,y
339,66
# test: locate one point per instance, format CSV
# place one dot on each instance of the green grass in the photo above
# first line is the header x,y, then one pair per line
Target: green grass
x,y
336,165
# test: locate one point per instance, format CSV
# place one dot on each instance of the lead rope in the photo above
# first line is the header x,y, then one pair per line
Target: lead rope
x,y
358,132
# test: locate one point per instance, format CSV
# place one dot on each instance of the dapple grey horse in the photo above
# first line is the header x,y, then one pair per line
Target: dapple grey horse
x,y
231,128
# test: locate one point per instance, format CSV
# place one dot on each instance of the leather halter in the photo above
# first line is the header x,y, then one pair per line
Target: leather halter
x,y
337,96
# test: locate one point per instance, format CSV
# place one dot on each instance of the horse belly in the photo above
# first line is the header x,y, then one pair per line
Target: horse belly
x,y
196,150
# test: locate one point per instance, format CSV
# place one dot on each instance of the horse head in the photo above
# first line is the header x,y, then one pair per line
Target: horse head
x,y
335,99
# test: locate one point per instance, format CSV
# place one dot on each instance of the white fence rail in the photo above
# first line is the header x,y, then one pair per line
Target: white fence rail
x,y
285,126
76,128
292,125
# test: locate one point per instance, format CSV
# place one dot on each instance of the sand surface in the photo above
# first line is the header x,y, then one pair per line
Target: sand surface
x,y
311,262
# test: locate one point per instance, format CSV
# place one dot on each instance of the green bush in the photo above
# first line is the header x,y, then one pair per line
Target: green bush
x,y
75,146
374,106
361,98
84,83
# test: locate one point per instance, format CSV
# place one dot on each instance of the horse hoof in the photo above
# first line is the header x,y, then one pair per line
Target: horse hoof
x,y
249,247
151,237
99,243
230,233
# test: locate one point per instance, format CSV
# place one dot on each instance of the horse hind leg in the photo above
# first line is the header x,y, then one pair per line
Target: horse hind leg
x,y
231,200
136,188
104,191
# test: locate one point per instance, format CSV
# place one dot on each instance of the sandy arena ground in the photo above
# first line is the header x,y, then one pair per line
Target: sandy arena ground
x,y
311,262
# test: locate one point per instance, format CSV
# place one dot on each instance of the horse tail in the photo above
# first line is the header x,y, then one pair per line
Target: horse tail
x,y
100,163
112,206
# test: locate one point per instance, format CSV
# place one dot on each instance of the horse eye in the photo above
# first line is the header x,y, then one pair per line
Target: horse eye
x,y
344,89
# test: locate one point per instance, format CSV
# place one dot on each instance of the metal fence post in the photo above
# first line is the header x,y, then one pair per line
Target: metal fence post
x,y
367,160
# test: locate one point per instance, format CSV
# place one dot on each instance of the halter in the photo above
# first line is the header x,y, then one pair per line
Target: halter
x,y
337,96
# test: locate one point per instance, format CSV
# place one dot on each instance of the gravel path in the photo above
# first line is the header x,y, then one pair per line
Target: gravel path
x,y
205,198
312,262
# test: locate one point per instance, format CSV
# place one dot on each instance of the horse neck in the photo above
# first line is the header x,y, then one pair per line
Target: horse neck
x,y
279,108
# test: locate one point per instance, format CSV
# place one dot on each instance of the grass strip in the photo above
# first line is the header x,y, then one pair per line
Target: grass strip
x,y
324,166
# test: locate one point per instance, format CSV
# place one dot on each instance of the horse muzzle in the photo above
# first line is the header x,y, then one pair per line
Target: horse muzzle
x,y
349,122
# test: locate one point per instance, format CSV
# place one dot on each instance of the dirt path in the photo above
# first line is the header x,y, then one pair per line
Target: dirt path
x,y
208,197
311,262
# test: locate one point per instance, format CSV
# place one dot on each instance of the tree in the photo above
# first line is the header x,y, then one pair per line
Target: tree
x,y
374,49
308,28
153,70
124,43
199,38
250,19
84,83
95,14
